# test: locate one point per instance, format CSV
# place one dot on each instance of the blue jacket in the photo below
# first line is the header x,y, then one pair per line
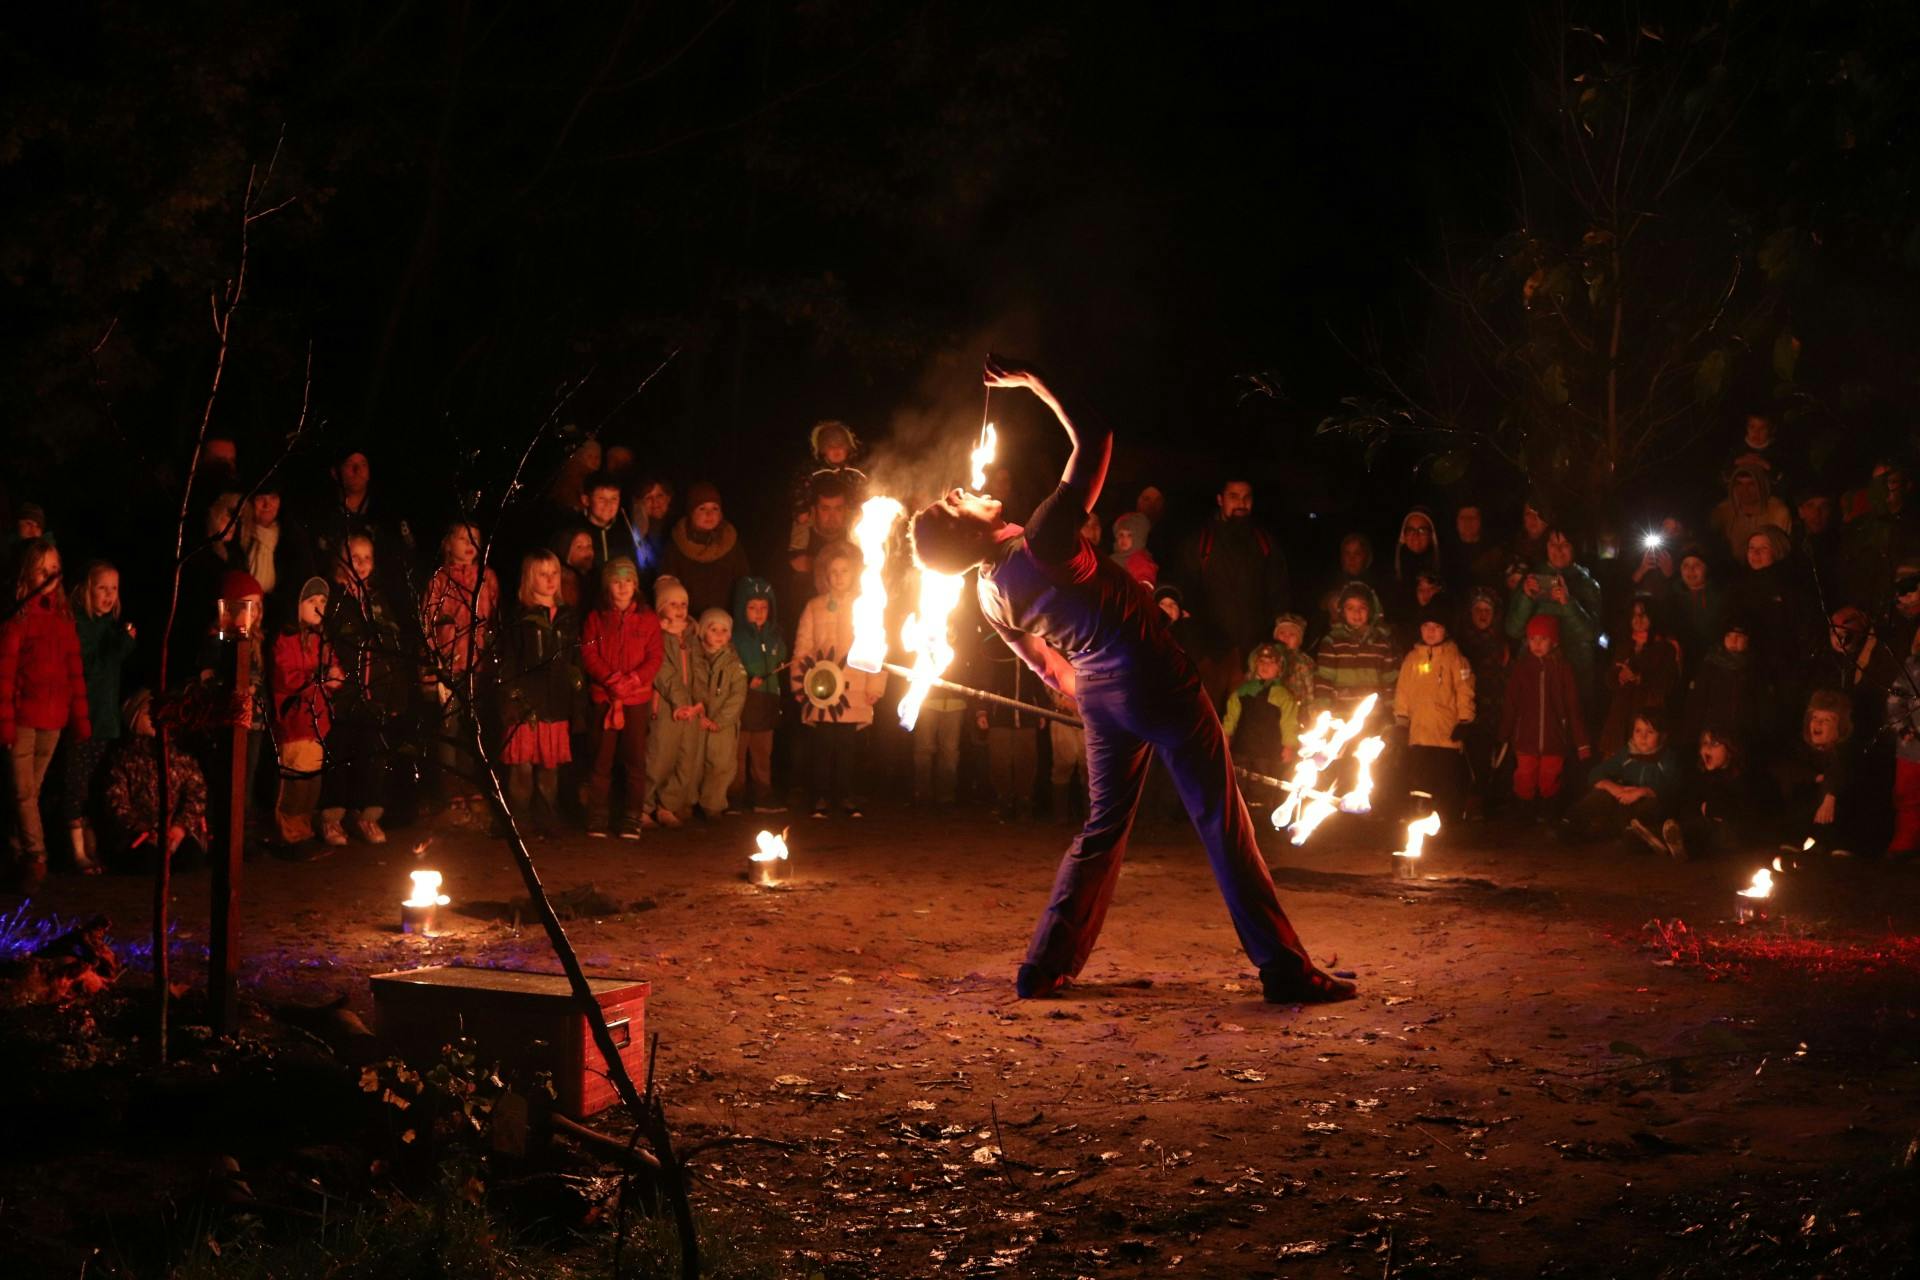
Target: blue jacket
x,y
1659,772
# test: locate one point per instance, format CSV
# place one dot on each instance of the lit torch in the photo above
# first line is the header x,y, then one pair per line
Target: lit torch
x,y
869,649
1306,807
925,637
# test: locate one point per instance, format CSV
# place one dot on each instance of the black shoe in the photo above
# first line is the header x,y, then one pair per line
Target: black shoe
x,y
1033,983
1290,984
629,829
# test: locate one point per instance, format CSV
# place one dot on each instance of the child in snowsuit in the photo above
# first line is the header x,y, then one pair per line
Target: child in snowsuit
x,y
1632,792
723,697
620,652
674,742
1541,720
1433,702
1262,722
763,652
302,678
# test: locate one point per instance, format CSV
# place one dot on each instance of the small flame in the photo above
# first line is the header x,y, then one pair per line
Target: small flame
x,y
869,649
981,456
1319,809
772,848
1777,866
925,637
1808,846
426,890
1359,798
1417,833
1762,886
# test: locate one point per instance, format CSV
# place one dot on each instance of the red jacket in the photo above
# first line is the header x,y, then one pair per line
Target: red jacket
x,y
42,685
1541,716
616,645
302,662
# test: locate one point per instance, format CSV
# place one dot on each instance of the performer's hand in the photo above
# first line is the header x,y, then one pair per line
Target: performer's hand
x,y
1005,371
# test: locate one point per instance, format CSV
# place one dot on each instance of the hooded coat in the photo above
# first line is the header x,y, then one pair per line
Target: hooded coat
x,y
1262,721
1737,523
1352,662
1541,716
1434,694
763,652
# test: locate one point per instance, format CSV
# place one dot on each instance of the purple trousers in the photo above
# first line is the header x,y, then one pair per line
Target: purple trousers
x,y
1129,716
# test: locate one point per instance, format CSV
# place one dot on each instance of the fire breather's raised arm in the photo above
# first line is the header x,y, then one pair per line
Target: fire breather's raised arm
x,y
1086,471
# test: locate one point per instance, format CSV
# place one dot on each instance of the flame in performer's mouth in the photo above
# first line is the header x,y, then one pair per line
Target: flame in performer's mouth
x,y
981,456
869,648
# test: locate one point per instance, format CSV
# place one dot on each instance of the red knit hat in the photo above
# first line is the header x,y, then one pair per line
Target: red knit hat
x,y
701,494
1544,624
235,584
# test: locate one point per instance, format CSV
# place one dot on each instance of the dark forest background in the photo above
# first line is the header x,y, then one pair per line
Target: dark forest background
x,y
1289,239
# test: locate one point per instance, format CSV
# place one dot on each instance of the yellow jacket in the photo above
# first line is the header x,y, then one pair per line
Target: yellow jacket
x,y
1434,693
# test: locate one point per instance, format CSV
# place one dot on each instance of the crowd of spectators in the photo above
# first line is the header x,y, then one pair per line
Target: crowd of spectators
x,y
1688,681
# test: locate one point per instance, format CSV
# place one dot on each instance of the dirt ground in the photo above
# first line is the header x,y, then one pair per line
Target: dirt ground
x,y
1533,1080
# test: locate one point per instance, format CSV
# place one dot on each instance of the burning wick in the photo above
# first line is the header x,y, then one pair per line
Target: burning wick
x,y
1417,833
982,455
1749,907
869,648
420,910
768,866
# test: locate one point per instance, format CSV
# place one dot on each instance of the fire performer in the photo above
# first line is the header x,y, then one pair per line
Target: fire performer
x,y
1089,630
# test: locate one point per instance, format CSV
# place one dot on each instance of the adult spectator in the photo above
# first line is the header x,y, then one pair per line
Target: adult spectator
x,y
1881,532
652,502
829,518
353,509
1816,543
705,553
1417,552
1536,521
1559,588
1472,559
1766,595
1355,564
273,550
1236,579
1749,507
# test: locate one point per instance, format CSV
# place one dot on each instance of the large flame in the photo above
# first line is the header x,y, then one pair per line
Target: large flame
x,y
426,890
1762,886
1319,809
1306,807
981,456
869,650
925,637
1417,833
1359,797
772,848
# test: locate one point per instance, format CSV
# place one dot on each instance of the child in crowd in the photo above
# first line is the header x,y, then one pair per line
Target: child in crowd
x,y
369,638
43,695
838,721
832,448
574,546
459,609
1541,719
1355,657
763,653
1130,533
1296,666
1643,676
133,837
1725,695
1483,641
1696,610
303,679
620,652
106,641
1433,702
1718,802
1180,623
1263,720
1632,790
723,697
540,680
602,520
674,743
1817,786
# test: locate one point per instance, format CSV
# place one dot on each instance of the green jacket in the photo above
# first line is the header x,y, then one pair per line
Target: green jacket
x,y
104,647
724,690
1579,617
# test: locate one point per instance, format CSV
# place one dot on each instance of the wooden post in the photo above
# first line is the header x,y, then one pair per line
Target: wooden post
x,y
224,943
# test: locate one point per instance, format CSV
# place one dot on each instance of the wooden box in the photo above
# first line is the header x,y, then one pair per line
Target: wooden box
x,y
527,1021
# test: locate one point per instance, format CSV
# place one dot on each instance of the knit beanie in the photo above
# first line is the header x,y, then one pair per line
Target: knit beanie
x,y
1436,612
710,617
1544,624
1293,620
32,511
1267,650
315,586
237,584
1136,527
701,494
618,568
667,587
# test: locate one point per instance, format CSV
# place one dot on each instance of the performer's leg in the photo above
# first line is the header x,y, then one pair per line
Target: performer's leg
x,y
1117,767
1187,734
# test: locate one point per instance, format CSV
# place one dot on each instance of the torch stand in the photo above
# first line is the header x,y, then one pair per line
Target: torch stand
x,y
224,940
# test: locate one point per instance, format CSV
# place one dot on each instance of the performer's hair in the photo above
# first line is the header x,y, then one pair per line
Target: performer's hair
x,y
946,541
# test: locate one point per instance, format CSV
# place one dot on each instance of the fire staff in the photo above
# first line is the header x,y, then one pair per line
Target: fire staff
x,y
1089,630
